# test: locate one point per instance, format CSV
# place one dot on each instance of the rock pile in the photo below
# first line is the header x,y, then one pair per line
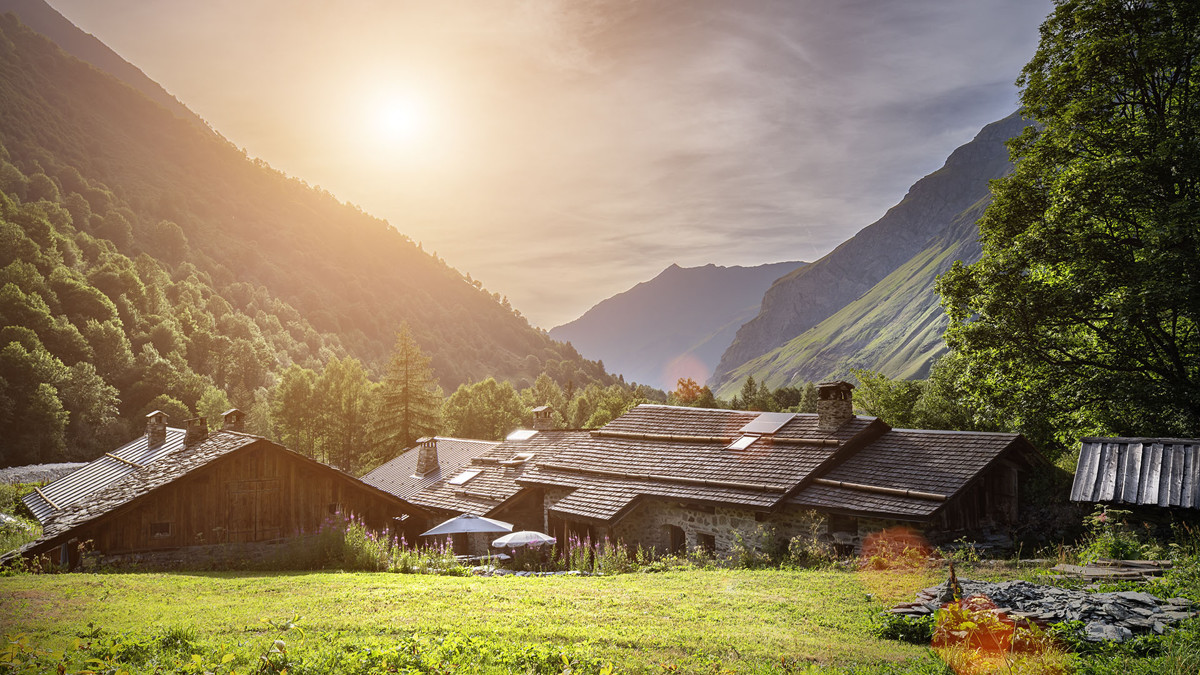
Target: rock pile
x,y
1107,616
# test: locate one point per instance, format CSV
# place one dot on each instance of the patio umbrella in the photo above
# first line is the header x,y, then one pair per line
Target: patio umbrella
x,y
469,523
523,538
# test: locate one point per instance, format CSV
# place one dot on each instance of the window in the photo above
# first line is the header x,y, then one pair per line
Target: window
x,y
521,435
706,543
519,458
838,523
676,539
741,443
464,476
160,530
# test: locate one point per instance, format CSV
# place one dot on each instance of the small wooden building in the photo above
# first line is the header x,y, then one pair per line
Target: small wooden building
x,y
177,488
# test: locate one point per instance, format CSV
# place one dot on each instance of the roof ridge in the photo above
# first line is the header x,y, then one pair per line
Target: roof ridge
x,y
1010,434
1140,439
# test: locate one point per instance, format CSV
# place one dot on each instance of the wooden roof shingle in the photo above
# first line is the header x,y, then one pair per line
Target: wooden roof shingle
x,y
397,476
1142,471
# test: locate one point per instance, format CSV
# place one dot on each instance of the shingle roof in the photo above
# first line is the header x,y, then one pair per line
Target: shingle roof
x,y
648,452
396,476
499,472
1144,471
89,479
936,462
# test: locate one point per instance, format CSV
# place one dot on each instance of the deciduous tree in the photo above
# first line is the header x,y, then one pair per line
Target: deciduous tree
x,y
1086,303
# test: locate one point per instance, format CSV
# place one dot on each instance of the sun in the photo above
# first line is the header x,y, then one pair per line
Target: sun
x,y
399,120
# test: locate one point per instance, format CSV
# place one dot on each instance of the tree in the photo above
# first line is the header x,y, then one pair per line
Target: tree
x,y
687,392
487,410
410,400
545,391
212,403
1085,307
808,399
614,402
294,414
344,397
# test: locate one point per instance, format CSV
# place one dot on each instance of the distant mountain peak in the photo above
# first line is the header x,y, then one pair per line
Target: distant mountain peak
x,y
674,325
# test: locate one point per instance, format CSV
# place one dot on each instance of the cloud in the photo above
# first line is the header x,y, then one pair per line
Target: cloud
x,y
584,145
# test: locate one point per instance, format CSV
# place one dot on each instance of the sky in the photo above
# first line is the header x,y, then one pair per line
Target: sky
x,y
561,151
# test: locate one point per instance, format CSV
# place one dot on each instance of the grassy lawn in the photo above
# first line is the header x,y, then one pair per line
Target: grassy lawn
x,y
710,621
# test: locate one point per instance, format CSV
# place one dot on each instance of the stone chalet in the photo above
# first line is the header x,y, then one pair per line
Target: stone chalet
x,y
676,478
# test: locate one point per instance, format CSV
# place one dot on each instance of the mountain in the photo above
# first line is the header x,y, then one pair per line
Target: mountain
x,y
142,256
46,20
870,302
675,325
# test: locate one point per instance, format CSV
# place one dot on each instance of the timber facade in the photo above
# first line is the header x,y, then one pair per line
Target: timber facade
x,y
226,487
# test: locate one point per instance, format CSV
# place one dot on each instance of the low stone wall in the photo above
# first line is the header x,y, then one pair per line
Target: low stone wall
x,y
1106,616
280,553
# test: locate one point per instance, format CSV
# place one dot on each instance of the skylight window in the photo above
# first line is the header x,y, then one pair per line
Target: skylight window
x,y
464,476
521,435
742,443
519,458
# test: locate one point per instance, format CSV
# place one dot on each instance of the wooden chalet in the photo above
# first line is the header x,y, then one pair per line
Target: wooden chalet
x,y
177,488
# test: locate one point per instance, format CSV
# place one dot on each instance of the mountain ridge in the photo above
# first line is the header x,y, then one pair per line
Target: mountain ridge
x,y
44,19
673,325
802,300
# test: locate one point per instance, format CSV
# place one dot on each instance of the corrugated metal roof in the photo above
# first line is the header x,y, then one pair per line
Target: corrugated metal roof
x,y
1142,471
97,475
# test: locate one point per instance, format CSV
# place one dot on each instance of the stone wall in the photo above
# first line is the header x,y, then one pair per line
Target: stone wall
x,y
648,525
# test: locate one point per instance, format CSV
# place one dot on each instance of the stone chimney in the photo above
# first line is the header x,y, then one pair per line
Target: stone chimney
x,y
543,418
427,459
156,429
194,431
235,420
835,405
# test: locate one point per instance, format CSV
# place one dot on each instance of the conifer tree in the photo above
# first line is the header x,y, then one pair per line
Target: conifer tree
x,y
410,400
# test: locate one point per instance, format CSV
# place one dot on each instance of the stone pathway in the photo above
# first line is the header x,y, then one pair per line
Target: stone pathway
x,y
1107,616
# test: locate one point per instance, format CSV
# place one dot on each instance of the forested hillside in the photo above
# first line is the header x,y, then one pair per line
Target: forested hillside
x,y
145,262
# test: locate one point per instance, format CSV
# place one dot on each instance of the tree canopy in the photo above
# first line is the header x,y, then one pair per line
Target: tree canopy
x,y
1083,309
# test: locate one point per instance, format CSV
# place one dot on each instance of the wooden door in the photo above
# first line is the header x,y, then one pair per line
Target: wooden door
x,y
255,510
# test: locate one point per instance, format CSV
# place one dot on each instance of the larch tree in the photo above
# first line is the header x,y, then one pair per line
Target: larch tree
x,y
410,400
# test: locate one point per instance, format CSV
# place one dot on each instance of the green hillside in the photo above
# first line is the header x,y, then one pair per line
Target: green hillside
x,y
894,328
143,256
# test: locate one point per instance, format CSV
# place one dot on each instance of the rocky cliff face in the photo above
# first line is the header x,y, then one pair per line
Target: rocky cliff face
x,y
929,212
675,325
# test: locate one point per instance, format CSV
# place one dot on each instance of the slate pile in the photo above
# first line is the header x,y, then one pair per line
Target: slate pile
x,y
1106,616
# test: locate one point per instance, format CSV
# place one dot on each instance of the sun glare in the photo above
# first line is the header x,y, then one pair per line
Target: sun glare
x,y
401,120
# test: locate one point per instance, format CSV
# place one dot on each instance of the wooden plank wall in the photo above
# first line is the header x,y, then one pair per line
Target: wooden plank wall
x,y
260,492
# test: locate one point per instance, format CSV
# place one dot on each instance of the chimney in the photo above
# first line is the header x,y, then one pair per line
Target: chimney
x,y
427,459
835,405
235,420
194,431
156,429
543,418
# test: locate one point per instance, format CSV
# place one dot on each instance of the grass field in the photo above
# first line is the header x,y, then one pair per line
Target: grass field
x,y
693,621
